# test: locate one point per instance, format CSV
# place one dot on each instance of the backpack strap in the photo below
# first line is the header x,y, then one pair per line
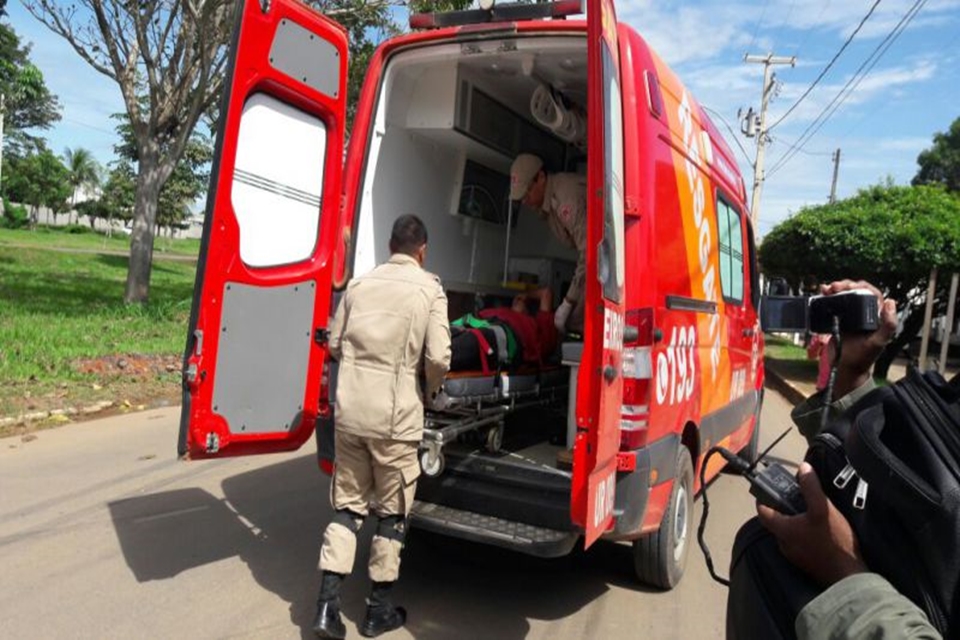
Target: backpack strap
x,y
485,349
500,335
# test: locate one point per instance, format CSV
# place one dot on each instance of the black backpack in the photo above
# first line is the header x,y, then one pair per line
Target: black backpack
x,y
891,466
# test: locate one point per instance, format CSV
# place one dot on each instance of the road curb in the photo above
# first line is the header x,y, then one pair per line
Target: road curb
x,y
64,414
781,385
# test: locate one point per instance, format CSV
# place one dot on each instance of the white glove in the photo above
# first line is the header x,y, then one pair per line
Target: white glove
x,y
561,315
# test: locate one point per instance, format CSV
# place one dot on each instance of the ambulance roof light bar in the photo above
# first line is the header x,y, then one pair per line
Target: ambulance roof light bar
x,y
489,11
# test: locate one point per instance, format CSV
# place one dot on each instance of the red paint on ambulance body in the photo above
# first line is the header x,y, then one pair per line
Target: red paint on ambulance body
x,y
687,377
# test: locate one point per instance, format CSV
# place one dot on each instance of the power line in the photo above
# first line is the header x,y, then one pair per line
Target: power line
x,y
855,80
806,37
730,129
756,28
828,67
786,19
89,126
815,153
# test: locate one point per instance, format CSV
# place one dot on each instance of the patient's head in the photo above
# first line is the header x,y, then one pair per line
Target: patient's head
x,y
533,301
520,304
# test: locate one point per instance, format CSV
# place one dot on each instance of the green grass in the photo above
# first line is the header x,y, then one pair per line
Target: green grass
x,y
57,308
783,349
789,360
61,238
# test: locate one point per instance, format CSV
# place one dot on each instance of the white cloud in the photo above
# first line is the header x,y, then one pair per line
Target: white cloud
x,y
878,84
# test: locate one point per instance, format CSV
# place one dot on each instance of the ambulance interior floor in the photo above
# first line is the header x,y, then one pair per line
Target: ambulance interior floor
x,y
531,438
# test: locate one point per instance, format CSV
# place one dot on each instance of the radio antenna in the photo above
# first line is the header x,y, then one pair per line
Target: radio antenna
x,y
763,455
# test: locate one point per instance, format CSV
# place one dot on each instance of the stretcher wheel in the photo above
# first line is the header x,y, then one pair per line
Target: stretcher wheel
x,y
495,439
431,464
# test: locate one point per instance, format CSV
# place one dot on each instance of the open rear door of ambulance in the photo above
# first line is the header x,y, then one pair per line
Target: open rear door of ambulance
x,y
256,344
599,385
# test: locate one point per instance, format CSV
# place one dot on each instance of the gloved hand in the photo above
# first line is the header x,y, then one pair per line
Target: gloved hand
x,y
561,315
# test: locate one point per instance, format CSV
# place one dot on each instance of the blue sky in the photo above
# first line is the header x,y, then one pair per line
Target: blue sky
x,y
912,92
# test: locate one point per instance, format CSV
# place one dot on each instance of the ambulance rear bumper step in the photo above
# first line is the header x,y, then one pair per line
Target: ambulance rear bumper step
x,y
517,536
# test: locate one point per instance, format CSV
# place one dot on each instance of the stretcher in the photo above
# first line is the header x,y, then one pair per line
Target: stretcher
x,y
470,401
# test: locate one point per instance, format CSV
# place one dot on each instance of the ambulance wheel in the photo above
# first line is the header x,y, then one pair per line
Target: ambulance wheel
x,y
660,557
752,450
495,439
432,466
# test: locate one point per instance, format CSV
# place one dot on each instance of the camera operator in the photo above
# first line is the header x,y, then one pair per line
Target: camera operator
x,y
856,602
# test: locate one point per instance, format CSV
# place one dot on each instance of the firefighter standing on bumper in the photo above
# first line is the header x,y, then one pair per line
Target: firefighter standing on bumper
x,y
560,199
391,325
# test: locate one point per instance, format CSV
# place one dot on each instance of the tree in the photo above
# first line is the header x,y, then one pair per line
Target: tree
x,y
888,235
38,180
188,181
28,103
940,164
117,198
168,60
83,171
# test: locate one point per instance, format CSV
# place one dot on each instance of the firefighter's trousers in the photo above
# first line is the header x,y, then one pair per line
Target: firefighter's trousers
x,y
371,475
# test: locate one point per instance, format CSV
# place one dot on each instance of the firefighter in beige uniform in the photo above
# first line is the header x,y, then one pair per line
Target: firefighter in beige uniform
x,y
560,199
391,325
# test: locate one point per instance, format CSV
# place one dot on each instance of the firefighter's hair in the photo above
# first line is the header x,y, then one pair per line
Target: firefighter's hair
x,y
408,235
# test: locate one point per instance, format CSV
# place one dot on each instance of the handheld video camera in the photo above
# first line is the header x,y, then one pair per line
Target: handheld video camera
x,y
857,311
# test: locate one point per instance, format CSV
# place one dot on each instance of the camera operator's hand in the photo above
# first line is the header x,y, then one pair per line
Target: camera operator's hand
x,y
860,351
820,542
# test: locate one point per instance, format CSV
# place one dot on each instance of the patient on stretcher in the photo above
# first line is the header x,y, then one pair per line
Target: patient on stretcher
x,y
506,338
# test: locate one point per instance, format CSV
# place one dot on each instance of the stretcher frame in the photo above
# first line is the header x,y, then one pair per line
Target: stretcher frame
x,y
468,413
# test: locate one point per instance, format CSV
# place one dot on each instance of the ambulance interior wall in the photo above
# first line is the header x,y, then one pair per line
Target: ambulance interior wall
x,y
418,169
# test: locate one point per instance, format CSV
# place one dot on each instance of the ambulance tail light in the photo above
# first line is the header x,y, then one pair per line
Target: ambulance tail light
x,y
637,378
324,405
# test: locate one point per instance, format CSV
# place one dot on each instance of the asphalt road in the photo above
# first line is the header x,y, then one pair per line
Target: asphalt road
x,y
104,534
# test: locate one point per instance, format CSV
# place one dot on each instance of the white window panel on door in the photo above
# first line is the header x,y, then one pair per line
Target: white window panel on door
x,y
278,182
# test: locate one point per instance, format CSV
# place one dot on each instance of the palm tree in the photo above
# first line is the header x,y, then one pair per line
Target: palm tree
x,y
84,172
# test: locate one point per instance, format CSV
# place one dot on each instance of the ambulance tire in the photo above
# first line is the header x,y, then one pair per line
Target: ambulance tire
x,y
660,558
752,450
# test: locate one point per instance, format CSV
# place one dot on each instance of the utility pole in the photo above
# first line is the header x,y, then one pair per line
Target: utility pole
x,y
948,326
836,169
2,110
768,85
927,318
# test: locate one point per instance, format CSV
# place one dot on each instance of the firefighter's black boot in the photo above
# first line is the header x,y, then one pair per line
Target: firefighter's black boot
x,y
328,623
382,616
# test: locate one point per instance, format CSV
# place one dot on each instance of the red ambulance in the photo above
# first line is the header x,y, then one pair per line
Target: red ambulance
x,y
670,362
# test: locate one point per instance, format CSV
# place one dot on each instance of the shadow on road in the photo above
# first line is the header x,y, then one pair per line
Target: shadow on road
x,y
272,518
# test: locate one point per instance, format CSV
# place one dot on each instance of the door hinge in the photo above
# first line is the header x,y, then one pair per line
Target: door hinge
x,y
321,336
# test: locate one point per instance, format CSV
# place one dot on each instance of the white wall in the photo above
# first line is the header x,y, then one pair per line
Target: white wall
x,y
415,166
415,174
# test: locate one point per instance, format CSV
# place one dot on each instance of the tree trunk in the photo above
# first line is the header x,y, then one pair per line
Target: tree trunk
x,y
911,327
149,183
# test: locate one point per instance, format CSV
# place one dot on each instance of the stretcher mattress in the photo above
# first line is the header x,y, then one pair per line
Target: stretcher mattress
x,y
465,384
